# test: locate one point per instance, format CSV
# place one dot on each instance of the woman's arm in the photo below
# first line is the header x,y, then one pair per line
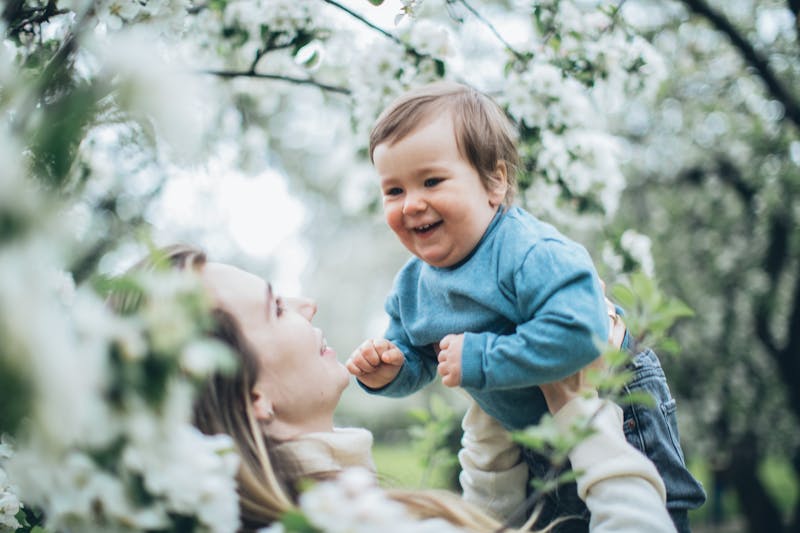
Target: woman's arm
x,y
621,487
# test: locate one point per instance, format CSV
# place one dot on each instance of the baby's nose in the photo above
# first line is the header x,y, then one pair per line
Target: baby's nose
x,y
413,203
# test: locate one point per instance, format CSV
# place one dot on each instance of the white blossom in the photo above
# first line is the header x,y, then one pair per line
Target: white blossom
x,y
9,501
202,357
354,503
149,83
639,246
199,482
430,38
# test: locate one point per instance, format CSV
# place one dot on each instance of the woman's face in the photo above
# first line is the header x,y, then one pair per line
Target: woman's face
x,y
300,379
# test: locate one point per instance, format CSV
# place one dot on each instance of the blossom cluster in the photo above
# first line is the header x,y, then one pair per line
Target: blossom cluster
x,y
9,501
106,440
354,503
110,427
581,64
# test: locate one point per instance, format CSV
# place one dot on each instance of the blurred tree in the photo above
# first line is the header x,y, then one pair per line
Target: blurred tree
x,y
714,179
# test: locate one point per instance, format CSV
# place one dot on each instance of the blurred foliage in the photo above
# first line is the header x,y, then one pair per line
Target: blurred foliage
x,y
714,180
437,439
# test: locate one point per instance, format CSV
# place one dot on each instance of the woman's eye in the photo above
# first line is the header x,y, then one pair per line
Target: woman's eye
x,y
279,308
432,182
393,191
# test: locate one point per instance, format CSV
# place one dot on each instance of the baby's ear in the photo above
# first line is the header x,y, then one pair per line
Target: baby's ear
x,y
498,184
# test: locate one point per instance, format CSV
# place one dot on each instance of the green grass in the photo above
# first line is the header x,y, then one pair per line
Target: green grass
x,y
399,466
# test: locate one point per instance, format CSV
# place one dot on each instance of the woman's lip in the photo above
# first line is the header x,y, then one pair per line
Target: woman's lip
x,y
327,350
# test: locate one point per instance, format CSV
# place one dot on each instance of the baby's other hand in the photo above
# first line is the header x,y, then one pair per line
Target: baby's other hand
x,y
375,363
450,359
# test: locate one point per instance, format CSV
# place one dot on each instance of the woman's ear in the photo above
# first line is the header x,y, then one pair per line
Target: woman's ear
x,y
498,184
262,406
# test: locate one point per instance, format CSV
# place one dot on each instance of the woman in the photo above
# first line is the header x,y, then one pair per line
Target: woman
x,y
279,405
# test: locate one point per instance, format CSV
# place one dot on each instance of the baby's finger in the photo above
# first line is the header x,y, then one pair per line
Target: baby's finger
x,y
363,365
369,355
392,357
381,345
449,381
445,342
352,368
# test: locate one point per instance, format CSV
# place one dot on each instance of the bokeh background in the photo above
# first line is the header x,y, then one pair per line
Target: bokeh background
x,y
661,134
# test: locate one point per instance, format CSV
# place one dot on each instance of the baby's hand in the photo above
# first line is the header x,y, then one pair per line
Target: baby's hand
x,y
450,359
375,363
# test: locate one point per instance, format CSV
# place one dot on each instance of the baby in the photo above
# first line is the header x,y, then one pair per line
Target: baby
x,y
494,300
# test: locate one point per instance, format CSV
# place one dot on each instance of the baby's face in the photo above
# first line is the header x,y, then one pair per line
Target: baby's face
x,y
434,199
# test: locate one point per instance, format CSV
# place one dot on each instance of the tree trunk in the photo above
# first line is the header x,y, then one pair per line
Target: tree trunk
x,y
756,504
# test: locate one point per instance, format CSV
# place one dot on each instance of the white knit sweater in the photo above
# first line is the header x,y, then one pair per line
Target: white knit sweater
x,y
621,487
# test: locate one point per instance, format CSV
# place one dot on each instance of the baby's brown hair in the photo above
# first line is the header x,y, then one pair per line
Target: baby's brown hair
x,y
484,134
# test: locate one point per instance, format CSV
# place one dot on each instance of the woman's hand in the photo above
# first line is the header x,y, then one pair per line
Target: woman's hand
x,y
559,393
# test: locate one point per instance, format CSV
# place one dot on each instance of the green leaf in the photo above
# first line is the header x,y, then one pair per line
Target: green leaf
x,y
375,2
624,296
296,522
637,398
616,358
419,415
669,345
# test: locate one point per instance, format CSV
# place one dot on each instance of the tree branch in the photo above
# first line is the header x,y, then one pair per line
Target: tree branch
x,y
774,263
369,24
36,16
792,349
730,174
408,48
751,56
520,56
794,7
12,9
277,77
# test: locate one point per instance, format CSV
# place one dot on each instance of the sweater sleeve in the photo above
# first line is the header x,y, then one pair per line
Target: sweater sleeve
x,y
564,323
419,366
493,477
621,487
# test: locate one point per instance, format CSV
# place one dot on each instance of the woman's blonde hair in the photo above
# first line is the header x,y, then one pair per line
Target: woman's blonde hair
x,y
484,134
265,485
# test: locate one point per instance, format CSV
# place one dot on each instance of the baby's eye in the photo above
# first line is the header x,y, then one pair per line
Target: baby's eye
x,y
432,182
393,191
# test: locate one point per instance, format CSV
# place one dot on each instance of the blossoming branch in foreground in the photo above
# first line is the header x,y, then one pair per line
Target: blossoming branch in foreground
x,y
354,503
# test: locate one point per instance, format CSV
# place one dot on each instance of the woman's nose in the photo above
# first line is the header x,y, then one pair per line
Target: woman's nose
x,y
305,306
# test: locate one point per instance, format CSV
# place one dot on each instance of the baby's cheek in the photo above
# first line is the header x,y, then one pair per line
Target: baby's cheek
x,y
394,218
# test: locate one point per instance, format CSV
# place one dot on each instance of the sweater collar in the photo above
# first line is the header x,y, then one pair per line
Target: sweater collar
x,y
327,452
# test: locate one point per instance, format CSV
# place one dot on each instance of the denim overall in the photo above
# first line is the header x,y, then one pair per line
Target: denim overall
x,y
651,430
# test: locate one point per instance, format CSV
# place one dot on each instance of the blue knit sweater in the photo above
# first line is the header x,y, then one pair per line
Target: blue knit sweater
x,y
529,302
